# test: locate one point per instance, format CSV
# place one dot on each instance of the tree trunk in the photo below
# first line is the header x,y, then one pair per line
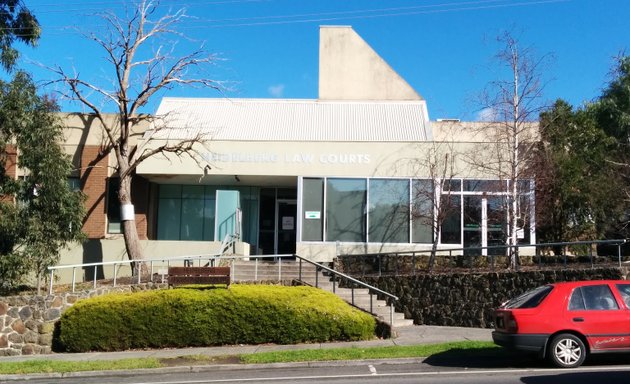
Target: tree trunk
x,y
130,231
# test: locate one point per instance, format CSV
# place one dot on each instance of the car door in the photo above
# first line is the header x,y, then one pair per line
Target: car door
x,y
595,312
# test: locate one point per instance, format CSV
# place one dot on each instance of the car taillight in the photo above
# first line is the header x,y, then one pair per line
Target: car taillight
x,y
510,323
506,322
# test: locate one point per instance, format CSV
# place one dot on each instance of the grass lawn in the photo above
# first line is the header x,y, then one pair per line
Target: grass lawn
x,y
456,349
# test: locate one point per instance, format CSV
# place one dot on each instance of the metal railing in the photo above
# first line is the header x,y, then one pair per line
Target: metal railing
x,y
412,262
216,259
353,282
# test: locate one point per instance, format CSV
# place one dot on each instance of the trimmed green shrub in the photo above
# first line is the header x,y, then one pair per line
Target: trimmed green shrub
x,y
243,314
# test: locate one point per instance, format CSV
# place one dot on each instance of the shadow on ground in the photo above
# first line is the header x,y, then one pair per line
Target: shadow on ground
x,y
500,358
483,358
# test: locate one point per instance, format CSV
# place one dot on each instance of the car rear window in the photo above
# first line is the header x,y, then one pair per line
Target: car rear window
x,y
529,299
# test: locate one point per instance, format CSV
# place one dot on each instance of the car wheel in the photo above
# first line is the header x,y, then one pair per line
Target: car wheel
x,y
567,351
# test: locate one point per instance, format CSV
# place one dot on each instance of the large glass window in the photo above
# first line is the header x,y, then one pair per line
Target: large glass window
x,y
389,211
403,211
345,210
452,224
187,212
313,208
422,214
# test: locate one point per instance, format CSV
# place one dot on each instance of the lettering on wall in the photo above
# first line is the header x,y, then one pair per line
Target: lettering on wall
x,y
293,158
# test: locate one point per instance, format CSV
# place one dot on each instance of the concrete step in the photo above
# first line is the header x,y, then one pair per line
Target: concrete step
x,y
362,299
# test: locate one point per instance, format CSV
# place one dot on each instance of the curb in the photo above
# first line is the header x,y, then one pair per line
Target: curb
x,y
210,367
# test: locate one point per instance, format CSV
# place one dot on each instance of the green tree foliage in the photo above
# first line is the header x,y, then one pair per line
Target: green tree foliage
x,y
574,179
39,213
612,114
17,23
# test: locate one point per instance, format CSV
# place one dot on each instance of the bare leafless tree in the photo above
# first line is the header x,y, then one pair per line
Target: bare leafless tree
x,y
511,106
140,50
432,202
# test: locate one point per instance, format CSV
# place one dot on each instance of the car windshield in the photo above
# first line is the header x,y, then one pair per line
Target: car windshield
x,y
529,299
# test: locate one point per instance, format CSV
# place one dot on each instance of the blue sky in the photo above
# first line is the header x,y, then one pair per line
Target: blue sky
x,y
443,48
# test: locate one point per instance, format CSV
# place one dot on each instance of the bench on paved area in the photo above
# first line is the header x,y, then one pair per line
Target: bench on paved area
x,y
198,275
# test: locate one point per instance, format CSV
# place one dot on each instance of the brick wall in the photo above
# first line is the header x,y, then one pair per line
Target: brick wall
x,y
94,174
140,195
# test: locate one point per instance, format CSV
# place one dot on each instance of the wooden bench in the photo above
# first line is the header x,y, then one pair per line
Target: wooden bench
x,y
198,275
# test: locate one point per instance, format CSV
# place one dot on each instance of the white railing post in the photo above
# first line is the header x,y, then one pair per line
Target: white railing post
x,y
52,277
280,269
391,315
115,273
95,270
74,277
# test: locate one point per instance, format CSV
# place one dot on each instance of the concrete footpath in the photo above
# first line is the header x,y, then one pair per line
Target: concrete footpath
x,y
411,335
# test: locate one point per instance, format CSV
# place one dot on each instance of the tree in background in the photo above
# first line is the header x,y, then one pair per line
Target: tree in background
x,y
512,105
612,114
39,212
17,23
140,50
574,179
433,204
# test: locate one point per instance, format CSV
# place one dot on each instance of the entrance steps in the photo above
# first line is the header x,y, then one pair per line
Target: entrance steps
x,y
281,270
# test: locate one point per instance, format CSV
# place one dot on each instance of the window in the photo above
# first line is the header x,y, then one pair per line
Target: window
x,y
312,207
452,225
345,210
422,211
530,299
624,289
389,211
592,298
113,206
74,183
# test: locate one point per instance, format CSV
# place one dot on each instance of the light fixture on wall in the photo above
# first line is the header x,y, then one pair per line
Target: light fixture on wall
x,y
237,178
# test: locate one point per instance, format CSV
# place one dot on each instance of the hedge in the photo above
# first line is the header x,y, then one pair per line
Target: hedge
x,y
242,314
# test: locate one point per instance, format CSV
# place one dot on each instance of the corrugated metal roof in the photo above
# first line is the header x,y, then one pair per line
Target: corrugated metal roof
x,y
292,120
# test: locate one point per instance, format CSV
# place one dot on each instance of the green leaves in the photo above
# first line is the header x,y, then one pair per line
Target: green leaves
x,y
17,23
584,173
40,213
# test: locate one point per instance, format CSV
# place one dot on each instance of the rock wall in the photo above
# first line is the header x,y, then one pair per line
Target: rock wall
x,y
468,299
27,322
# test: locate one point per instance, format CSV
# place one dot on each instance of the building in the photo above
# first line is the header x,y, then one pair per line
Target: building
x,y
346,173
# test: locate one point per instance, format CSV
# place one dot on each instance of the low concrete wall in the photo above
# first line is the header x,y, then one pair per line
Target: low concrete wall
x,y
469,299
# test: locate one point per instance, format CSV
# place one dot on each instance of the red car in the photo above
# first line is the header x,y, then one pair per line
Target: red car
x,y
564,322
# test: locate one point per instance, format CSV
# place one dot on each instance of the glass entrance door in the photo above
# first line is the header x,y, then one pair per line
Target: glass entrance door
x,y
286,226
484,224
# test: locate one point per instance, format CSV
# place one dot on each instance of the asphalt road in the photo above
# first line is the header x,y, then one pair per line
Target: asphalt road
x,y
508,370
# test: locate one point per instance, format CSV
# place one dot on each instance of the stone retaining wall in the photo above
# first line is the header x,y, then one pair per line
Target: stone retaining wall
x,y
468,299
27,322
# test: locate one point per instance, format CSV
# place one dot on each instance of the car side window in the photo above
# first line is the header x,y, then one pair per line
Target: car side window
x,y
624,290
577,301
593,297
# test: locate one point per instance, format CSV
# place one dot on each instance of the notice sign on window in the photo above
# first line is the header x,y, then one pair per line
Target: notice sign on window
x,y
288,223
313,215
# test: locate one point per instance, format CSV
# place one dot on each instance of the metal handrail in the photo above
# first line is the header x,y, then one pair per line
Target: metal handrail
x,y
214,258
617,242
364,285
460,252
